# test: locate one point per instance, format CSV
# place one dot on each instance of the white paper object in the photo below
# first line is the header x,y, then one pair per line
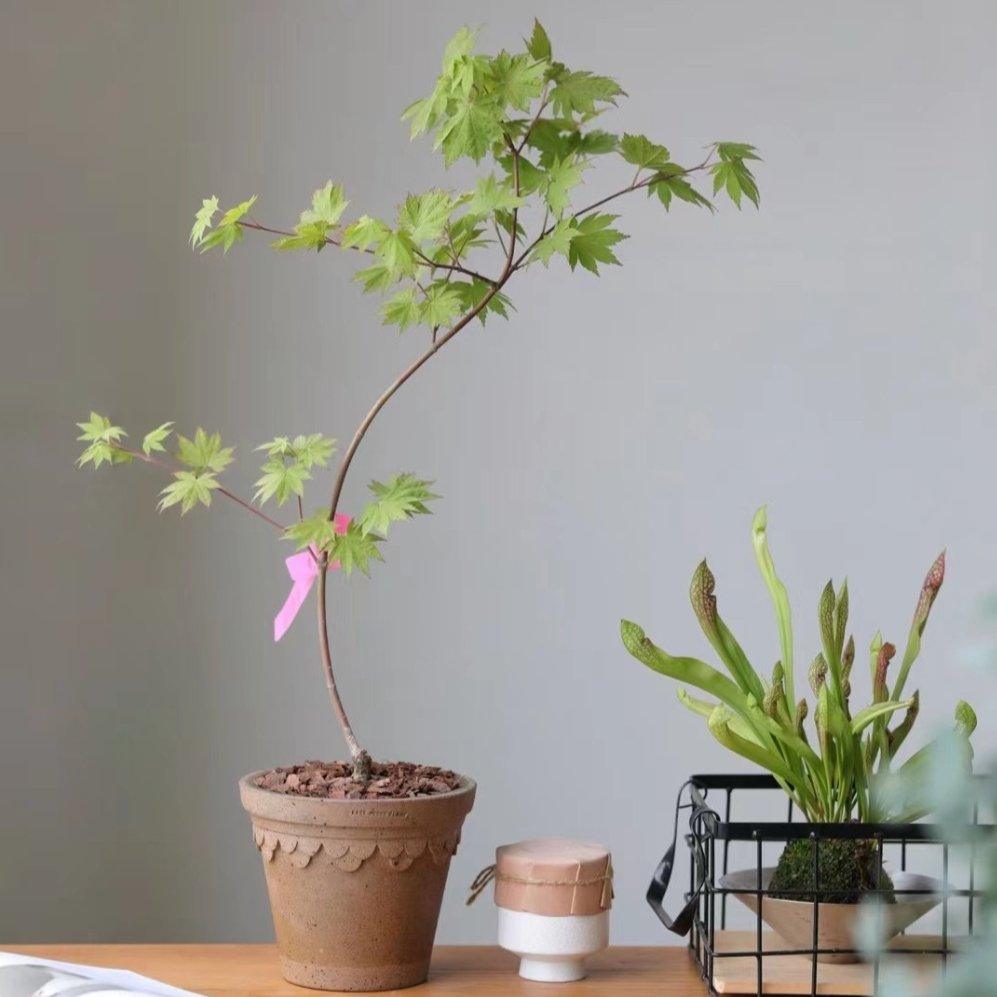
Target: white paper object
x,y
31,976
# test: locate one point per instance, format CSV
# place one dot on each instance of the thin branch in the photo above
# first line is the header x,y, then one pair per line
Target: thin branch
x,y
331,241
263,228
514,228
454,255
546,230
172,469
251,508
498,233
453,267
536,118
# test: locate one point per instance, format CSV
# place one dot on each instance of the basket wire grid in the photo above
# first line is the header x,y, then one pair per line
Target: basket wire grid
x,y
705,910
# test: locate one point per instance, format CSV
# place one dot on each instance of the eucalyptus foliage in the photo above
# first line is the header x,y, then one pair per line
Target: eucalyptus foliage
x,y
533,128
952,794
840,774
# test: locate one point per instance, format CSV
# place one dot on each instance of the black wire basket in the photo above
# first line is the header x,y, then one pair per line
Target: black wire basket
x,y
712,839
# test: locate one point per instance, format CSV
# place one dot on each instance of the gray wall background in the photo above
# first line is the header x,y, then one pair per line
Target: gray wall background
x,y
832,355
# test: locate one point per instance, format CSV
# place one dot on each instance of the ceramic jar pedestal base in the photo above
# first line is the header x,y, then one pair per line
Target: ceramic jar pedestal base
x,y
552,949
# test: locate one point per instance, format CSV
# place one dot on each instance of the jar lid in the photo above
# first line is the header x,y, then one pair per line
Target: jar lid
x,y
554,876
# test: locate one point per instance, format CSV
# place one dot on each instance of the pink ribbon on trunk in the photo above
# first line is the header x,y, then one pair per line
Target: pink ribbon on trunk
x,y
303,569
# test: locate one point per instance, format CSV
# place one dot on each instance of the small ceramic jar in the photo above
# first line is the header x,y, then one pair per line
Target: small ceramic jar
x,y
553,897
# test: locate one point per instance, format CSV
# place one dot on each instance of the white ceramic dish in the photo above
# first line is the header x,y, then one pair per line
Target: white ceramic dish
x,y
793,921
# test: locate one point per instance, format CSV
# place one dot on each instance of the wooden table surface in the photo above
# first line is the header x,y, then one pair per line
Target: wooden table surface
x,y
251,970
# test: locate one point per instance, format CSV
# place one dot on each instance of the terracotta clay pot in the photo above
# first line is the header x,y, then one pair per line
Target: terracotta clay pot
x,y
355,885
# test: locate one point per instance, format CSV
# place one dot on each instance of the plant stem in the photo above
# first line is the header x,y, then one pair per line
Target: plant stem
x,y
361,760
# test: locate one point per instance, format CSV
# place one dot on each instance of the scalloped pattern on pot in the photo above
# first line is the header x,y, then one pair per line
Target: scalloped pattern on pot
x,y
349,855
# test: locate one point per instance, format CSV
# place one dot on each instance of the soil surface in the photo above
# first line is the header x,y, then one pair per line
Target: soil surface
x,y
334,781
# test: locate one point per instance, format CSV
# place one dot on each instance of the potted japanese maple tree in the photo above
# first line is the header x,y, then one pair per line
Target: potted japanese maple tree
x,y
356,852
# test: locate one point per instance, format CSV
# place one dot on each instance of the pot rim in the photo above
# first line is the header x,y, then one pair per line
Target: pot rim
x,y
247,784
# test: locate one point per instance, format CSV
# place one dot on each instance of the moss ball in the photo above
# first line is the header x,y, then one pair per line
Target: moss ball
x,y
848,870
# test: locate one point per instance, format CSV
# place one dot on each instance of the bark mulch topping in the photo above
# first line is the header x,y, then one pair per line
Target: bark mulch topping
x,y
334,780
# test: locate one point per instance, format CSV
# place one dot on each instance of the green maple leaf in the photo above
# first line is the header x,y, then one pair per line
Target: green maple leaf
x,y
104,439
103,453
310,235
424,216
153,440
429,111
99,428
202,220
187,489
592,243
553,138
594,143
471,130
736,150
315,223
281,481
465,233
402,310
517,80
459,47
669,182
531,179
473,292
561,178
441,303
579,92
538,44
733,176
376,277
313,450
558,240
397,253
490,195
228,230
328,205
642,152
364,233
559,138
279,446
401,497
204,452
226,237
289,465
354,550
316,531
236,214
